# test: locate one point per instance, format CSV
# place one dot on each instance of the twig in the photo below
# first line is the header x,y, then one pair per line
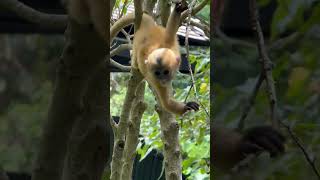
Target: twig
x,y
188,54
185,100
252,98
194,10
120,48
284,42
205,28
230,40
266,63
120,66
305,153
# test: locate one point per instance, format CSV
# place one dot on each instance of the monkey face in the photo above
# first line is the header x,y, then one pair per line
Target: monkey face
x,y
162,64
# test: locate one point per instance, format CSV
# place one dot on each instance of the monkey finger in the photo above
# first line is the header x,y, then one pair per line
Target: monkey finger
x,y
277,142
250,148
192,106
267,145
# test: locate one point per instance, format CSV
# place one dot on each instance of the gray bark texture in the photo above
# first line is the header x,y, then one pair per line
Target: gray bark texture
x,y
81,59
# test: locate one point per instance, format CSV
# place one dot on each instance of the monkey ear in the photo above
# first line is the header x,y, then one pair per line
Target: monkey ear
x,y
178,59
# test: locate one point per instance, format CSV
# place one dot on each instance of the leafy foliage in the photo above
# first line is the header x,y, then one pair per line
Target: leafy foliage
x,y
296,71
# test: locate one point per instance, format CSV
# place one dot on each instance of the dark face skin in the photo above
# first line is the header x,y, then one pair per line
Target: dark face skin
x,y
162,73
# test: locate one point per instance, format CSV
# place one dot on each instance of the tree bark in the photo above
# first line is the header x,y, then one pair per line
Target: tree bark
x,y
132,135
89,143
121,129
170,139
82,55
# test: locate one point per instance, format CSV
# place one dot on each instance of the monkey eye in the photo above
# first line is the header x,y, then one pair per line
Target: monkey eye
x,y
157,73
165,72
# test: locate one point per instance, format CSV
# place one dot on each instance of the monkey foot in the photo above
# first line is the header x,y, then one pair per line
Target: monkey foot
x,y
181,6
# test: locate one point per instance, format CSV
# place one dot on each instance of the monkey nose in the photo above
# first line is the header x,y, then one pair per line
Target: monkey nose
x,y
162,74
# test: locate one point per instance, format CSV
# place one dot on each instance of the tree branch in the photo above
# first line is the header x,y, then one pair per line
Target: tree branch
x,y
120,66
195,10
305,153
170,138
231,41
252,98
37,17
138,11
133,130
164,9
187,55
120,48
265,62
120,133
203,27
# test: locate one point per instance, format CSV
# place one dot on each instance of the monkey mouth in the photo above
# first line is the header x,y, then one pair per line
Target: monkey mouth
x,y
163,82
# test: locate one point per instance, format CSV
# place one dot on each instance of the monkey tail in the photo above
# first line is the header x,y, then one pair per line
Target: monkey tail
x,y
119,24
147,21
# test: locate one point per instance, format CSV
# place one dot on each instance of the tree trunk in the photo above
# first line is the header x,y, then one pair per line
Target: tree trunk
x,y
89,144
170,139
82,55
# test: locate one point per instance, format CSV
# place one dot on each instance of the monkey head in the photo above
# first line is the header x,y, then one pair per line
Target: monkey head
x,y
162,64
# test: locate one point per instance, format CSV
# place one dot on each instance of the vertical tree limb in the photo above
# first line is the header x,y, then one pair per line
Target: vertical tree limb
x,y
133,133
88,148
265,62
164,10
170,139
83,52
138,11
121,128
252,98
149,6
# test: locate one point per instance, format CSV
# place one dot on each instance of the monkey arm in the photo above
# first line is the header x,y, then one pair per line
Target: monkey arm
x,y
167,102
174,21
229,147
170,104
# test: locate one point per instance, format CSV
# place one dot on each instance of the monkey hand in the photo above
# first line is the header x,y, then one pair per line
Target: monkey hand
x,y
262,138
181,6
189,106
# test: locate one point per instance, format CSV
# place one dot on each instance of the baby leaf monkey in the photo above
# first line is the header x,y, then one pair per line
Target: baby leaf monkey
x,y
155,48
156,54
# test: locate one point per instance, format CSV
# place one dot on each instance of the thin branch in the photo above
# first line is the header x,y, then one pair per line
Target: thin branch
x,y
138,10
305,153
125,4
120,48
149,6
203,27
187,43
120,66
284,42
195,10
164,11
266,62
251,102
232,41
190,9
37,17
